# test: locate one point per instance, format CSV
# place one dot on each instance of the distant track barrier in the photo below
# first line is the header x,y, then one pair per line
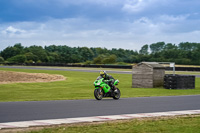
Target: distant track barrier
x,y
184,68
100,66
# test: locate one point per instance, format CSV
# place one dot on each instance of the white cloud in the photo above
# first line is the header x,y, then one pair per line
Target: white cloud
x,y
125,24
11,31
173,18
134,6
103,2
110,34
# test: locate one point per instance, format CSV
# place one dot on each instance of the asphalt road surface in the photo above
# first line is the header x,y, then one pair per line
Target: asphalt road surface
x,y
63,69
39,110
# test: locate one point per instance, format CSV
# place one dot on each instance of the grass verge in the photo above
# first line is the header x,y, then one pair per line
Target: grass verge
x,y
79,85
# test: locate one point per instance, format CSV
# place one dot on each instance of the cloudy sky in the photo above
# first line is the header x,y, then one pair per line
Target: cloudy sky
x,y
127,24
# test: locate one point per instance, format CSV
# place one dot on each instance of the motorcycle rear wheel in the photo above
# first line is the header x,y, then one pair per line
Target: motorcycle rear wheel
x,y
98,93
117,95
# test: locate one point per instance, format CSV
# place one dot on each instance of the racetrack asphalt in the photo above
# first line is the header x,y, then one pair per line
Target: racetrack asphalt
x,y
64,69
40,110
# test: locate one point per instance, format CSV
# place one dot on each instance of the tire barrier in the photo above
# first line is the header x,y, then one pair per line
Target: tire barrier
x,y
179,81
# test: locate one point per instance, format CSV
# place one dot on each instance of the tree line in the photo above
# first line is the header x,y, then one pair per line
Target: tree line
x,y
183,53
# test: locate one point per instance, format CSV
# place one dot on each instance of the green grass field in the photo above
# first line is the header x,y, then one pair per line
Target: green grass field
x,y
187,124
79,85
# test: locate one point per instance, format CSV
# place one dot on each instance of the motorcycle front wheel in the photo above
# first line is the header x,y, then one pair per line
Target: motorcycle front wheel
x,y
98,93
117,94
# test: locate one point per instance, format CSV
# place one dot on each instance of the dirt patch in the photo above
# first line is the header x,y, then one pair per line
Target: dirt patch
x,y
22,77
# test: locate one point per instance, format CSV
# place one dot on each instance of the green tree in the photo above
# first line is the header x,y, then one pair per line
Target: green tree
x,y
65,53
10,52
195,56
19,46
39,52
170,46
157,47
31,56
101,51
170,54
86,53
53,57
51,48
186,46
144,50
184,53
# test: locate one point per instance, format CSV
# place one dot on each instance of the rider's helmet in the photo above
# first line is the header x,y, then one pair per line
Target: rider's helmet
x,y
103,74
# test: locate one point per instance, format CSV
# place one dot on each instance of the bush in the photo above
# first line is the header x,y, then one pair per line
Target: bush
x,y
29,62
97,60
110,59
17,59
39,61
122,63
1,59
87,63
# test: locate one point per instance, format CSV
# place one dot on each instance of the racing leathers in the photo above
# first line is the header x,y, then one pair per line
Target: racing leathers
x,y
110,81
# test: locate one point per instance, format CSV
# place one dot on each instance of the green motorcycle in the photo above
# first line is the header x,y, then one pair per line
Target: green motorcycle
x,y
102,89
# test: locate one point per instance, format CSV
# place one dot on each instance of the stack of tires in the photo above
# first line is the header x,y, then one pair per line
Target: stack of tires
x,y
179,81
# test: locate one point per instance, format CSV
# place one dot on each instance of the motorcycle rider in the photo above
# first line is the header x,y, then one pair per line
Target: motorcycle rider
x,y
110,80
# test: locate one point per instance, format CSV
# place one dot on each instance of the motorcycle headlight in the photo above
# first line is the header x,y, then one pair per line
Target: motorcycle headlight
x,y
98,83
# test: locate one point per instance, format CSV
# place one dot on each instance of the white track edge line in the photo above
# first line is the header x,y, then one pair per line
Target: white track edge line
x,y
24,124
